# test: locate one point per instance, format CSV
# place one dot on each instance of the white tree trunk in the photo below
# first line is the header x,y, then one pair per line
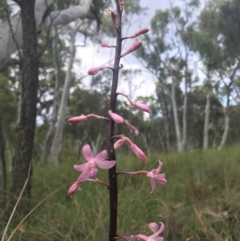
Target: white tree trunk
x,y
176,119
11,31
206,122
51,130
226,128
184,130
56,144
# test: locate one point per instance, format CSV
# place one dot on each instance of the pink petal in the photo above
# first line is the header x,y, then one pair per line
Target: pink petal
x,y
138,152
153,226
93,171
105,164
117,118
159,231
142,107
119,143
160,179
100,156
158,239
77,119
140,237
73,188
87,152
81,167
153,184
159,167
84,175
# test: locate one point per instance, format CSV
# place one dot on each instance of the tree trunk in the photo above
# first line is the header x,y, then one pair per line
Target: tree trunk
x,y
184,130
56,144
50,134
11,33
226,129
4,168
26,127
176,120
166,117
226,117
206,122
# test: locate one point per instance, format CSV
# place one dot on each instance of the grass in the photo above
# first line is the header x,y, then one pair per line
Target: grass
x,y
200,201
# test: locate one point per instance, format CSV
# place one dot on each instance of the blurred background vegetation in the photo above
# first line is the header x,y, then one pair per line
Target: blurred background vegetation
x,y
193,53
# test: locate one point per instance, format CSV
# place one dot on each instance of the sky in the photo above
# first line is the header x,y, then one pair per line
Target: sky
x,y
143,84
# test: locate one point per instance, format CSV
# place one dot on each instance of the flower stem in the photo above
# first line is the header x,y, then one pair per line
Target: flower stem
x,y
113,189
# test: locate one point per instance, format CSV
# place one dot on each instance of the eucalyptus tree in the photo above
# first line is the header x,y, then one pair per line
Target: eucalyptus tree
x,y
216,41
167,55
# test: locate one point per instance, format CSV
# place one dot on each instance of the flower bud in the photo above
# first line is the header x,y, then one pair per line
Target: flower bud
x,y
119,143
135,46
142,107
138,152
74,188
117,118
141,31
94,70
77,119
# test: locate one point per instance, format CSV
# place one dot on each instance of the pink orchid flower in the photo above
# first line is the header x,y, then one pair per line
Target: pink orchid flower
x,y
154,237
90,168
155,177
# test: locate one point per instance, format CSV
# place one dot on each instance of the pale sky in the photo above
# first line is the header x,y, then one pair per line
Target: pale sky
x,y
143,84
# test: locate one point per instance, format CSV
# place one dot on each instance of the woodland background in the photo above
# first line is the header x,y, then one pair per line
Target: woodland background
x,y
192,54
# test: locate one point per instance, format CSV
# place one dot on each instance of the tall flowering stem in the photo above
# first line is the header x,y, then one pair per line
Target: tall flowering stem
x,y
113,188
106,159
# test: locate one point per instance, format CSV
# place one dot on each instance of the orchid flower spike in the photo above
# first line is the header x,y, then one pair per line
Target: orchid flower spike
x,y
155,177
90,168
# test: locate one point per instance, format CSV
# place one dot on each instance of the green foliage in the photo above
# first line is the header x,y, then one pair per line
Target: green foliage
x,y
200,185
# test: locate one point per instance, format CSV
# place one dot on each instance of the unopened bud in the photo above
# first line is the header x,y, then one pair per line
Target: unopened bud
x,y
94,70
117,118
73,188
119,143
138,152
77,119
106,45
141,31
135,46
141,106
